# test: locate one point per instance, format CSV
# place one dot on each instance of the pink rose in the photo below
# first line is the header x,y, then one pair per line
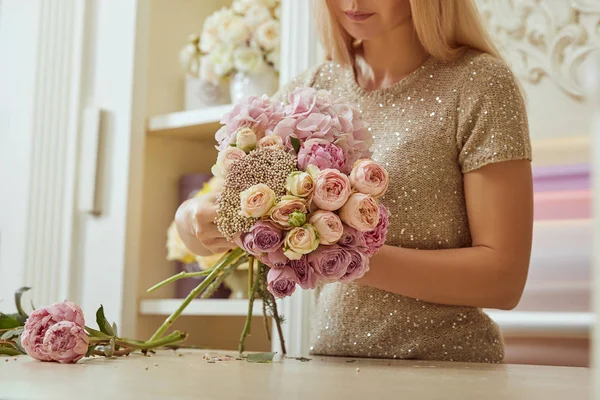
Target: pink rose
x,y
299,241
286,213
263,237
360,212
41,320
66,342
375,239
281,282
321,153
368,177
275,259
257,201
332,190
307,279
330,262
351,238
359,265
328,225
225,159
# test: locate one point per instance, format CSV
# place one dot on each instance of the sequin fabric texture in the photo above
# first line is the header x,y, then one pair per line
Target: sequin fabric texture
x,y
440,122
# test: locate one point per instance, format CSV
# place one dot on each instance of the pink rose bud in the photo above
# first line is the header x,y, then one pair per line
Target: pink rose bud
x,y
271,142
66,342
359,266
245,139
257,201
307,279
282,213
375,239
225,160
368,177
328,225
360,212
281,282
321,153
41,320
332,189
330,262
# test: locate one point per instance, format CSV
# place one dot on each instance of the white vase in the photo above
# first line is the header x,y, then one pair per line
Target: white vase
x,y
201,94
253,84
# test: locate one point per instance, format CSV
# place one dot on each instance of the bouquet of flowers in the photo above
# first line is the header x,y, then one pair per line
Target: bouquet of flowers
x,y
300,195
243,38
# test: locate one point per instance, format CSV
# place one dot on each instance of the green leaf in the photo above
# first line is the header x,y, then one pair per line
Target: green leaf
x,y
11,334
18,296
261,358
9,322
9,351
295,144
91,348
103,323
115,330
95,333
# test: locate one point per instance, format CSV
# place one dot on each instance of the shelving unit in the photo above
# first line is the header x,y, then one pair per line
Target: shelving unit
x,y
189,125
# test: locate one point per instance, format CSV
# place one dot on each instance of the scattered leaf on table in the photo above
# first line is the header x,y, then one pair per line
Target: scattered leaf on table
x,y
261,358
9,351
8,322
103,323
350,361
302,359
11,333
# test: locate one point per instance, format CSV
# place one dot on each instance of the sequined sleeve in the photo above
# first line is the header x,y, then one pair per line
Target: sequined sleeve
x,y
492,119
303,80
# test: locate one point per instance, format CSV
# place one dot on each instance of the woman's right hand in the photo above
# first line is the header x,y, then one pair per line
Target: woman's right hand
x,y
195,221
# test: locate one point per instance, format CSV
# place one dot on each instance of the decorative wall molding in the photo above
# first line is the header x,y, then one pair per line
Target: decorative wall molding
x,y
546,37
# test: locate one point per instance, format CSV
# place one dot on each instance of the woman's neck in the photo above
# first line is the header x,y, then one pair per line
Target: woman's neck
x,y
383,61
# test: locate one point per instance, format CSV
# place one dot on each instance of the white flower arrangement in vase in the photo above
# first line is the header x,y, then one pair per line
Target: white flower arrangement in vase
x,y
242,42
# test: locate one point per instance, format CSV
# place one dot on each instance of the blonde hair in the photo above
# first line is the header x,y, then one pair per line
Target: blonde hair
x,y
445,28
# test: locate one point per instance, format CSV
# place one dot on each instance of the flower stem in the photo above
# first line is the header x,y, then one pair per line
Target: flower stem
x,y
181,275
212,288
253,283
227,259
278,324
266,320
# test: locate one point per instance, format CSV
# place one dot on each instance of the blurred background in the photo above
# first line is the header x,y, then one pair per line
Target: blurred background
x,y
108,110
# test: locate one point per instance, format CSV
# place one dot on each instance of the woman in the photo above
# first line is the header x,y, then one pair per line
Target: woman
x,y
450,126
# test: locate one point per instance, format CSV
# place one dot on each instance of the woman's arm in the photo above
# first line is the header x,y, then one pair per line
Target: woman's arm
x,y
491,273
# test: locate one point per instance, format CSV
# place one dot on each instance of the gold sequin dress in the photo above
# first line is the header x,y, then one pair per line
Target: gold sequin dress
x,y
442,121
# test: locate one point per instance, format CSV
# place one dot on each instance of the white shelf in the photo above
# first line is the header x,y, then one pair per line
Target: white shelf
x,y
194,124
212,307
544,324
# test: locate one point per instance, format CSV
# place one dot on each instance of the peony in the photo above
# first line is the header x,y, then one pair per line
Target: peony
x,y
351,238
270,142
375,239
267,34
41,320
360,212
275,259
256,14
247,59
234,30
358,267
225,160
332,190
328,225
307,279
281,282
283,211
263,237
66,342
257,201
368,177
320,153
299,241
245,140
300,184
330,262
222,59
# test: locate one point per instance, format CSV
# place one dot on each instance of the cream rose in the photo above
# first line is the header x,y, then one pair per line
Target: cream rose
x,y
271,142
234,30
300,184
222,59
299,241
328,226
257,201
368,177
283,212
245,139
274,58
267,34
361,212
247,59
225,160
332,189
256,15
